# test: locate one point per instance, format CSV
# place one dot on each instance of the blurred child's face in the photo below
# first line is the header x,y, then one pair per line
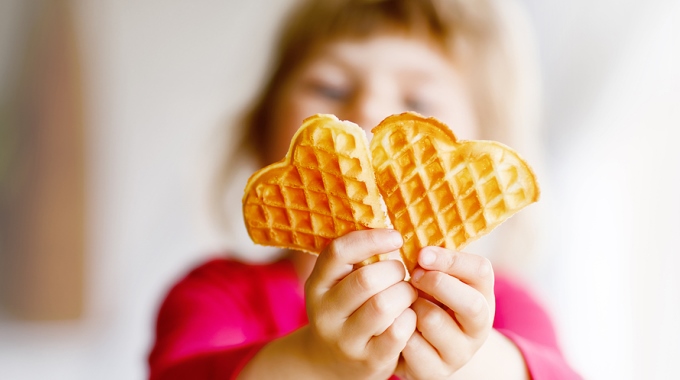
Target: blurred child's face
x,y
364,81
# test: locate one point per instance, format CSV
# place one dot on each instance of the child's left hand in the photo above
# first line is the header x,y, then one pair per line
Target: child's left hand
x,y
455,313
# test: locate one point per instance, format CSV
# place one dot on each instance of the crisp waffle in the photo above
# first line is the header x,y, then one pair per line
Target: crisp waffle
x,y
443,192
323,189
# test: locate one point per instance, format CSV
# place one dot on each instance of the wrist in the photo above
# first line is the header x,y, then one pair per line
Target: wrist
x,y
319,357
329,364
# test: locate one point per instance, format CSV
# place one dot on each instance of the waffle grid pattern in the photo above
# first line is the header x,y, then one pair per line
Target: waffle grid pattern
x,y
321,196
439,196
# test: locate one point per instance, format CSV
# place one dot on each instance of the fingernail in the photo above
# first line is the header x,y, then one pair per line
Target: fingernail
x,y
427,257
396,239
417,275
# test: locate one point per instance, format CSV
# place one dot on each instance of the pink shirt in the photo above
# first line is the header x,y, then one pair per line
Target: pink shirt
x,y
217,317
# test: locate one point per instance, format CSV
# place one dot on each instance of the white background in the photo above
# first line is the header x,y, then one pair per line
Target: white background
x,y
165,77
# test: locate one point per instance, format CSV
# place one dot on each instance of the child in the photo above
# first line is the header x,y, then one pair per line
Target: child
x,y
307,317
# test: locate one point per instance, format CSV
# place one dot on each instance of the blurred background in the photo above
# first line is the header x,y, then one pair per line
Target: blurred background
x,y
112,116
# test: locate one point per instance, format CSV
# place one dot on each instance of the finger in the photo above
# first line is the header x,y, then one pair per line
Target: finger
x,y
418,355
440,330
418,348
337,260
360,285
471,308
376,315
436,325
472,269
390,343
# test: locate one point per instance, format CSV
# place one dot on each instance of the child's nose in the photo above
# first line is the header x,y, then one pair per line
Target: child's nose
x,y
367,111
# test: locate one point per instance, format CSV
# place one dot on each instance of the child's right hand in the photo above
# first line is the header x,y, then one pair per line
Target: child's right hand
x,y
359,321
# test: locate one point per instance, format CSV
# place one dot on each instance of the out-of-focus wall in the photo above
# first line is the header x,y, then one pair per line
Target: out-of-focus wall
x,y
612,117
162,78
161,81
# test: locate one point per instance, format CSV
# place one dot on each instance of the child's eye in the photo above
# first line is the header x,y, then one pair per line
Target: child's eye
x,y
415,104
330,92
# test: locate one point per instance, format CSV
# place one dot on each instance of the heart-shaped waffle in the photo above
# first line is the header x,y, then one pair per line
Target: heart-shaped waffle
x,y
323,189
443,192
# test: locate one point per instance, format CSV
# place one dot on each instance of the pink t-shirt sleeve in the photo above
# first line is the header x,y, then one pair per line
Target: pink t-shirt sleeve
x,y
521,318
219,316
208,326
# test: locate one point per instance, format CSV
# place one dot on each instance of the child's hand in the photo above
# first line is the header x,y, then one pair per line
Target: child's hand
x,y
359,320
455,324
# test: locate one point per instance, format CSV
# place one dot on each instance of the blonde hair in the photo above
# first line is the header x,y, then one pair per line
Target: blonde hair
x,y
483,37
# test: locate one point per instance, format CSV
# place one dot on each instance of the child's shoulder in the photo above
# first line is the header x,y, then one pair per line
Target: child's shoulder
x,y
511,288
217,282
225,269
217,267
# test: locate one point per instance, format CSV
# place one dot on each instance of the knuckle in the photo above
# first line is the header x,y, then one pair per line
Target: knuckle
x,y
334,248
319,323
413,344
363,280
477,307
452,260
349,350
436,278
371,237
395,335
430,319
406,291
396,268
381,303
343,346
323,333
402,332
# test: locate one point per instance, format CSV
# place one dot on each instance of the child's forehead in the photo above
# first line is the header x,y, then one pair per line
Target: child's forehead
x,y
383,31
384,49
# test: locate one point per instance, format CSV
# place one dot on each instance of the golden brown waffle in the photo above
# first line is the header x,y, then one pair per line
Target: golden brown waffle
x,y
323,189
441,192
